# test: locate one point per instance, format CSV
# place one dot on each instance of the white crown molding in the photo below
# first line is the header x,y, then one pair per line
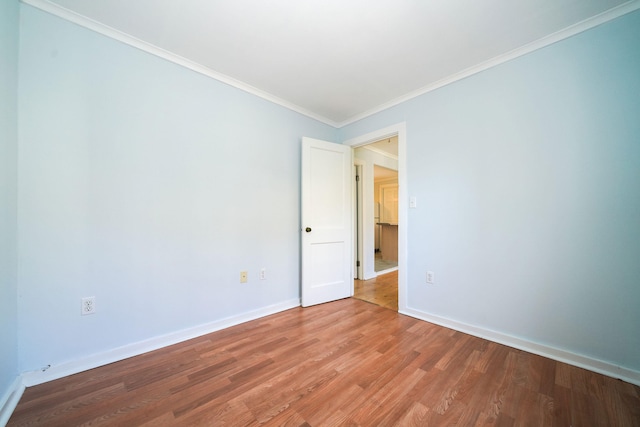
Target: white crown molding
x,y
54,372
377,135
570,31
585,362
83,21
105,30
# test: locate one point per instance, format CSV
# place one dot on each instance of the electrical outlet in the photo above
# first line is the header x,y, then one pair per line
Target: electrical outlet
x,y
88,306
263,273
430,277
244,276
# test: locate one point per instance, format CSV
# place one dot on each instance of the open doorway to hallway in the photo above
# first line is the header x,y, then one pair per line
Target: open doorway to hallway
x,y
377,220
398,132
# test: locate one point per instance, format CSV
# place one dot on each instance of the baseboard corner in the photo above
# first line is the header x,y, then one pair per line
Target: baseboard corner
x,y
589,363
10,400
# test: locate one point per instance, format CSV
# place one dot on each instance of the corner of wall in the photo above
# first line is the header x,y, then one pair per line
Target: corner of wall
x,y
585,362
10,382
10,400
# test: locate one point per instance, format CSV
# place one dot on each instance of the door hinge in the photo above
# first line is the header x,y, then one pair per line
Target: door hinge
x,y
357,177
357,263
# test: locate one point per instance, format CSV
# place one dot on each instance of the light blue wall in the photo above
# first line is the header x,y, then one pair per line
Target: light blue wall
x,y
528,184
9,14
149,187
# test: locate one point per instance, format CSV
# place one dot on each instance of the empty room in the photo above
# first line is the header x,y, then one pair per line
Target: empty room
x,y
181,222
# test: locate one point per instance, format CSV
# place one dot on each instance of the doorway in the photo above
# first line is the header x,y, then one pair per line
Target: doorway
x,y
399,130
340,188
376,222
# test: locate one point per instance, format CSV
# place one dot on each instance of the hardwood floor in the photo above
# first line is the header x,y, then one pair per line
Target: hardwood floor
x,y
382,290
343,363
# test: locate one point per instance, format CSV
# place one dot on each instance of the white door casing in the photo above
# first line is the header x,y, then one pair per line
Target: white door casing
x,y
399,129
327,236
358,223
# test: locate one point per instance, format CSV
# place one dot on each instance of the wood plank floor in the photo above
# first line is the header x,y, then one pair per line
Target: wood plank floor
x,y
381,290
346,363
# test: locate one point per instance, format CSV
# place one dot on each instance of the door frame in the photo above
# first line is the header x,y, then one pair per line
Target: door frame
x,y
358,227
400,130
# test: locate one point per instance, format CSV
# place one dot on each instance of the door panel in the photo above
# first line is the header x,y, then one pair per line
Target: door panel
x,y
326,213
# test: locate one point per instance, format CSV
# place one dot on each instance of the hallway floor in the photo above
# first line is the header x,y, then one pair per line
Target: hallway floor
x,y
383,264
382,290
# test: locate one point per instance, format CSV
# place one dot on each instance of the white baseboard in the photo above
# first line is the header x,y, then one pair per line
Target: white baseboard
x,y
73,367
591,364
388,270
27,379
10,400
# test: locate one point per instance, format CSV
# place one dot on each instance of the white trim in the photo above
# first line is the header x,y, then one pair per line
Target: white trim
x,y
10,400
381,152
585,362
73,367
570,31
358,227
83,21
400,130
118,35
388,270
388,132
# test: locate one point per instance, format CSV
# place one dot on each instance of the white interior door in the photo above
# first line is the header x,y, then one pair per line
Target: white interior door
x,y
326,222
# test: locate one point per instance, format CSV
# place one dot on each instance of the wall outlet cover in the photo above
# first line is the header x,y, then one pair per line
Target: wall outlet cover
x,y
430,277
88,306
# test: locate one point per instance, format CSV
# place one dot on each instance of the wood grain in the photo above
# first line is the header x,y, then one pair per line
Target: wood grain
x,y
382,290
346,363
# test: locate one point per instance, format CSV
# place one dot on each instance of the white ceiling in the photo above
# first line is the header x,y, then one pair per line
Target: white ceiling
x,y
337,60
